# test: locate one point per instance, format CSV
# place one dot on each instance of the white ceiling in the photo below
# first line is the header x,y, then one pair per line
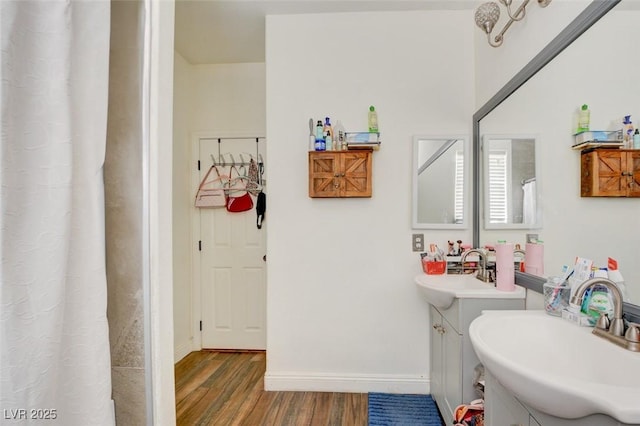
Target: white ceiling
x,y
232,31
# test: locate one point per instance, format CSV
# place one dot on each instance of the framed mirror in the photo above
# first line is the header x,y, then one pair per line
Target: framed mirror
x,y
565,211
509,182
440,170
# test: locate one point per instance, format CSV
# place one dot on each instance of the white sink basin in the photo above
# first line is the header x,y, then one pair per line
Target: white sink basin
x,y
442,290
558,367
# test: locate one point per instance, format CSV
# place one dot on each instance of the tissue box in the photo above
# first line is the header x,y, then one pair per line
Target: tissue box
x,y
434,267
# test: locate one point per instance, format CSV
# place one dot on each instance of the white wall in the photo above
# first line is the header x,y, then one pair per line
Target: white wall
x,y
229,99
594,228
494,67
343,312
182,166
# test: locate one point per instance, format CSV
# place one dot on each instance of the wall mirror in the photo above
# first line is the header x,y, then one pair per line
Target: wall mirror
x,y
509,182
541,100
440,169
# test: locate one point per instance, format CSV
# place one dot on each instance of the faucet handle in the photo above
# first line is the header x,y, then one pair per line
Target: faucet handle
x,y
603,321
633,333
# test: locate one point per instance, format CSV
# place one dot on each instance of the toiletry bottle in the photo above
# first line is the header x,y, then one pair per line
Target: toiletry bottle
x,y
338,135
613,273
319,130
320,142
327,130
584,117
627,132
373,120
327,126
636,140
505,276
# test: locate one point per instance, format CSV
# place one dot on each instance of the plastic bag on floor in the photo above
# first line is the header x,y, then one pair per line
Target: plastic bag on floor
x,y
471,414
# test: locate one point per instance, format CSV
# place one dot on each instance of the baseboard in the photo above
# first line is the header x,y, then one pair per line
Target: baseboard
x,y
182,350
113,411
360,383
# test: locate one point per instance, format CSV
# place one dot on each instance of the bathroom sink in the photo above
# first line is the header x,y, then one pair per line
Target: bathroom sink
x,y
558,367
442,290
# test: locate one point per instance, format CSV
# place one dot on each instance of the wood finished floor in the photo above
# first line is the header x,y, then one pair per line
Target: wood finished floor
x,y
227,388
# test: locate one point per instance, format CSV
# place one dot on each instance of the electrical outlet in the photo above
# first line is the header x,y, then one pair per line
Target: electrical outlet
x,y
418,242
532,238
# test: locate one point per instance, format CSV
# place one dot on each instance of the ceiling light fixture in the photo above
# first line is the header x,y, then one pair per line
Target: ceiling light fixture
x,y
488,14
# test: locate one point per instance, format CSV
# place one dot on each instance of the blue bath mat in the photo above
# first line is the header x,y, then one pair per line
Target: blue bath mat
x,y
387,409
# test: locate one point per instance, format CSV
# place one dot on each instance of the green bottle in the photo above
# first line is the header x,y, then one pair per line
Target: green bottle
x,y
373,120
583,119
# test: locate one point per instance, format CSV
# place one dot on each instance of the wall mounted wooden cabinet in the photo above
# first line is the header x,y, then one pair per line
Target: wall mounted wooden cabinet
x,y
610,173
340,173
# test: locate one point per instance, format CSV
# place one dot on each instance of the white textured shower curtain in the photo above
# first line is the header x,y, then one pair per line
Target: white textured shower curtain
x,y
54,347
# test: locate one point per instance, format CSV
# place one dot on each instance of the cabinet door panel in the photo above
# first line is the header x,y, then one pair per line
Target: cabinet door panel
x,y
610,166
452,363
357,174
322,175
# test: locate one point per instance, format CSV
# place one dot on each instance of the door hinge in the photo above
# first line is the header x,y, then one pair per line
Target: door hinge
x,y
198,164
200,245
200,325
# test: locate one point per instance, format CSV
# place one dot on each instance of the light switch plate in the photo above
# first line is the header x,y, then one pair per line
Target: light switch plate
x,y
417,242
532,238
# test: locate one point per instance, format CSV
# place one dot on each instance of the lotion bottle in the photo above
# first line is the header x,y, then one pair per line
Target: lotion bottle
x,y
636,140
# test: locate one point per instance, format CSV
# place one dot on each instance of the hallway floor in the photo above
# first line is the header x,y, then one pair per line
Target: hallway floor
x,y
227,388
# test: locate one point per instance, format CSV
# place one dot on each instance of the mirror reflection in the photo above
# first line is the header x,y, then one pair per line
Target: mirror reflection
x,y
439,182
510,194
547,105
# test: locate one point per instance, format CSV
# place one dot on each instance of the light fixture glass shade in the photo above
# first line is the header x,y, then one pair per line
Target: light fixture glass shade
x,y
487,15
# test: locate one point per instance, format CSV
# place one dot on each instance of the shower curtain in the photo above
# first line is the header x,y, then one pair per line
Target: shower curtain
x,y
54,347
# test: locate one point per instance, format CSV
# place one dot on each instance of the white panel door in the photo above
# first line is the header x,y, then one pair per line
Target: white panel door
x,y
232,263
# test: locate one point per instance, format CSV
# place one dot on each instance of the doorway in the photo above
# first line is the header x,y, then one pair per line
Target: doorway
x,y
231,248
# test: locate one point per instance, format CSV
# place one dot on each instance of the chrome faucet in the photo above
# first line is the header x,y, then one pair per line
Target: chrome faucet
x,y
483,273
612,330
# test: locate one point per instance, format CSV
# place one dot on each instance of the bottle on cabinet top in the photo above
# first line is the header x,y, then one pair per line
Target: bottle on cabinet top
x,y
373,120
327,130
319,132
627,133
584,118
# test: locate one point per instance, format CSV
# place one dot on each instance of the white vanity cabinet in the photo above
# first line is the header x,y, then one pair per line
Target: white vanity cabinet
x,y
453,359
